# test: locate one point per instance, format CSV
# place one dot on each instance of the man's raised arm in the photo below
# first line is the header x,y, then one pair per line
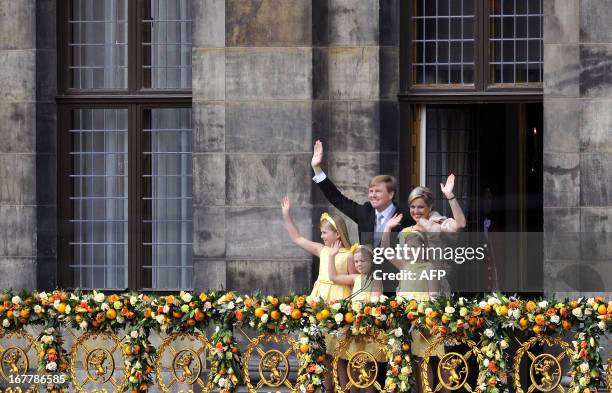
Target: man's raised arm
x,y
331,192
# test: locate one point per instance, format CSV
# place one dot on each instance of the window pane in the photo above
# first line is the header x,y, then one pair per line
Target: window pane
x,y
167,203
515,41
98,198
452,147
448,28
166,45
98,44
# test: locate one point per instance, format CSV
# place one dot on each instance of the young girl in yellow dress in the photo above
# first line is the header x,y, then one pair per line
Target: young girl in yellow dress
x,y
365,290
333,229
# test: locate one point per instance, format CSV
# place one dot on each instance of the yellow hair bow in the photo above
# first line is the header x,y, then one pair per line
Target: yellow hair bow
x,y
326,217
354,248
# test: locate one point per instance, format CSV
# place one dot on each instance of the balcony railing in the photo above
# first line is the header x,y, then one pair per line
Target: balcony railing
x,y
226,341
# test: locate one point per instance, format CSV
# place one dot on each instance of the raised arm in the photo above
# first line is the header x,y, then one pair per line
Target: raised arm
x,y
459,218
386,237
294,234
344,279
331,192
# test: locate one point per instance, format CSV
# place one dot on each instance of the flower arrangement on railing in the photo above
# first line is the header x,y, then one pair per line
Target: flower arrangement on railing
x,y
486,321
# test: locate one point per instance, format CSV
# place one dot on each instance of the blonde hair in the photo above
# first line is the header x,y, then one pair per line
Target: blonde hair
x,y
421,192
388,180
365,251
338,226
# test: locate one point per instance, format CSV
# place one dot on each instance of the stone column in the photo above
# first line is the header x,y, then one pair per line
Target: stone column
x,y
18,147
577,146
252,89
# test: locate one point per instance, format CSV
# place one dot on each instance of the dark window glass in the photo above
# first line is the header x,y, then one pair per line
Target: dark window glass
x,y
443,42
516,41
98,44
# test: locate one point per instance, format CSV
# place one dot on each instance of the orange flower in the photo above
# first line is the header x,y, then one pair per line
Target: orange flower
x,y
492,366
540,320
169,299
551,311
530,306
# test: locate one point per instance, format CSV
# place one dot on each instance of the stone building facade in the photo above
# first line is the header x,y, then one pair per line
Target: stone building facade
x,y
269,78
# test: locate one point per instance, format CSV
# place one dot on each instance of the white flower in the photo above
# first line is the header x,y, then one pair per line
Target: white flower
x,y
137,366
555,319
51,366
485,362
186,297
207,305
463,311
44,296
428,310
516,313
231,305
383,317
356,306
49,330
482,304
405,370
133,300
461,301
400,299
592,341
590,301
285,309
99,297
83,325
543,304
339,317
304,340
493,300
601,325
318,369
37,309
264,318
46,339
391,342
134,334
382,298
120,319
166,309
16,300
503,344
489,333
6,323
577,312
584,368
160,319
335,306
56,304
398,332
239,299
449,309
588,311
582,336
68,309
104,306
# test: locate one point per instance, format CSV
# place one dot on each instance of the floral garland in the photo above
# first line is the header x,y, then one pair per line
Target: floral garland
x,y
486,320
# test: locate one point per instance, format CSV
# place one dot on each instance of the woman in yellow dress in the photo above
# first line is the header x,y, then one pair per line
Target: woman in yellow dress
x,y
333,229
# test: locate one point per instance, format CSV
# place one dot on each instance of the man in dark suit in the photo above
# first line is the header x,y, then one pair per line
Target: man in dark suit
x,y
372,216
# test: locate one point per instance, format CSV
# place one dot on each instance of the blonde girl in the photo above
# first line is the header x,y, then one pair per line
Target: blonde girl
x,y
333,229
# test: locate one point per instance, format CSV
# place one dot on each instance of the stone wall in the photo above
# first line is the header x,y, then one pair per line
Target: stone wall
x,y
18,197
269,78
577,145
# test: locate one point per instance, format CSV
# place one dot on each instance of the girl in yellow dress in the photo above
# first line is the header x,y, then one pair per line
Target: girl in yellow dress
x,y
365,290
333,229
